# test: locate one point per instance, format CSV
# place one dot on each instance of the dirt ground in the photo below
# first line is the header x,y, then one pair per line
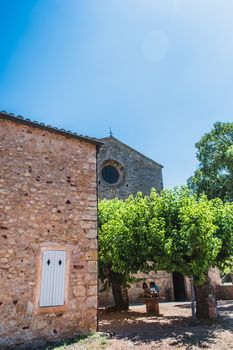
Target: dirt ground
x,y
174,329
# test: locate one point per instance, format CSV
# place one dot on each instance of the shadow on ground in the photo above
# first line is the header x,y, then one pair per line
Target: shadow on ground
x,y
226,306
178,329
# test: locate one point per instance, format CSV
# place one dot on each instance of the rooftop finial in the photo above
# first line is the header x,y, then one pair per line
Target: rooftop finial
x,y
110,131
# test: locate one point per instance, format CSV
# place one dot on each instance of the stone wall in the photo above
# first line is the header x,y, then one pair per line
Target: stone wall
x,y
224,292
162,279
138,173
47,199
165,282
215,276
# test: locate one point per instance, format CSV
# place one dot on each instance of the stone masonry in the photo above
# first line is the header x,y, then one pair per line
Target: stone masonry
x,y
47,200
162,279
137,172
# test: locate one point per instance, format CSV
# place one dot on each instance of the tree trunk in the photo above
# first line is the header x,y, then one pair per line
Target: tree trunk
x,y
119,290
120,295
206,304
192,298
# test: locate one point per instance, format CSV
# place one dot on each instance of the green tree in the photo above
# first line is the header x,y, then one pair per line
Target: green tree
x,y
123,243
223,218
214,176
191,244
174,231
198,235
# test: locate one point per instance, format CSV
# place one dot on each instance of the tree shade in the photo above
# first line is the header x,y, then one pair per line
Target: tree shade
x,y
173,231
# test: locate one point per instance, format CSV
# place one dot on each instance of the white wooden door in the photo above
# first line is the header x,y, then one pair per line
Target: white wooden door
x,y
52,291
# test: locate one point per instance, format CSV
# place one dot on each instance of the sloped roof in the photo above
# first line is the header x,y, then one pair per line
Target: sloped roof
x,y
21,120
130,148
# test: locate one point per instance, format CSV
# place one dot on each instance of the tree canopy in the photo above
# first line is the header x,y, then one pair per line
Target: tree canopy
x,y
173,231
214,176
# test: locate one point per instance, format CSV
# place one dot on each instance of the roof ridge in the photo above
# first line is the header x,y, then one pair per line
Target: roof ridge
x,y
143,155
27,121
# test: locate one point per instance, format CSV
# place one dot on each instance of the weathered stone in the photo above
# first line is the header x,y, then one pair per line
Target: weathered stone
x,y
92,255
136,171
91,233
92,290
30,308
35,214
80,291
162,279
92,266
92,302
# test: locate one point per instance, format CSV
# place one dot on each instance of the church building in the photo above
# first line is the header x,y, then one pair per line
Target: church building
x,y
50,180
123,171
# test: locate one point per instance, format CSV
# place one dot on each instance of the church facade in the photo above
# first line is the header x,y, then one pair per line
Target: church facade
x,y
123,171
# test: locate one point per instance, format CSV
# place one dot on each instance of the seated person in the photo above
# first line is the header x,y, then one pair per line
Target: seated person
x,y
154,289
146,291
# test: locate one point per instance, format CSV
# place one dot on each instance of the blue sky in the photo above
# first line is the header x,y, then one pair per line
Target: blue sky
x,y
158,71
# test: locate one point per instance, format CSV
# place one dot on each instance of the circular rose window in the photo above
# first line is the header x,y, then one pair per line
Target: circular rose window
x,y
110,174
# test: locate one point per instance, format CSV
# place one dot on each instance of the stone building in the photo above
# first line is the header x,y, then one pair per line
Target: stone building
x,y
48,232
123,171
